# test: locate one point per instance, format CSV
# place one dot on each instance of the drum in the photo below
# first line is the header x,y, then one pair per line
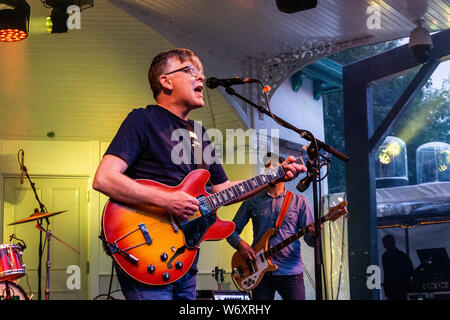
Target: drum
x,y
11,291
11,266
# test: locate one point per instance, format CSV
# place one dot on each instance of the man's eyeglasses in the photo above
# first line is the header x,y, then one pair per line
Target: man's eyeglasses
x,y
193,70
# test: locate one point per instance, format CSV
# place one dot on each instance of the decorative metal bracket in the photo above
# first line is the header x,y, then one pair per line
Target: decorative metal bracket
x,y
274,71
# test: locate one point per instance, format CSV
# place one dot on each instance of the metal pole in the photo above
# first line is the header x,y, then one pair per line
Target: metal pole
x,y
47,284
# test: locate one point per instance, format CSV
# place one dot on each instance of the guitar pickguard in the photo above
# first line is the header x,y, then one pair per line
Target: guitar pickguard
x,y
260,265
194,230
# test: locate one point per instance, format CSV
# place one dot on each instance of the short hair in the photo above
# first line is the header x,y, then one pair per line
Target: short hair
x,y
159,66
389,240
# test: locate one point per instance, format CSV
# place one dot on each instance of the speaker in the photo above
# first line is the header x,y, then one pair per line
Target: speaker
x,y
291,6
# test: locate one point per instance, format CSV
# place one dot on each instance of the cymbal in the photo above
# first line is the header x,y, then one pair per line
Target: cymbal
x,y
36,216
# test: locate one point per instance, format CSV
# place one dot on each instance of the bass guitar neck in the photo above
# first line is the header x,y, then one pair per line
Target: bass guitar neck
x,y
249,273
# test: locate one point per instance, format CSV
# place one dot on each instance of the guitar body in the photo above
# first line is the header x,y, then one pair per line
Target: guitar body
x,y
248,274
161,249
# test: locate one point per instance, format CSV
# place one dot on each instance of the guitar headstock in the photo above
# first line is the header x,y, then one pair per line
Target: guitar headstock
x,y
337,211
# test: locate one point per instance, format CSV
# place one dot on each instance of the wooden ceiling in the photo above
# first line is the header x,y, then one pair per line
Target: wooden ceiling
x,y
256,28
80,85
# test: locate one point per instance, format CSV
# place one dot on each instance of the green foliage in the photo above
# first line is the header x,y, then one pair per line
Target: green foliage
x,y
426,119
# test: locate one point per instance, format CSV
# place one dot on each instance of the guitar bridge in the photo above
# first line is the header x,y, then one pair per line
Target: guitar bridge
x,y
148,240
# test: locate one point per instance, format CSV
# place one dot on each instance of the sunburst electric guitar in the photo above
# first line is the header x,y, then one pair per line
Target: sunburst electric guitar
x,y
154,247
248,273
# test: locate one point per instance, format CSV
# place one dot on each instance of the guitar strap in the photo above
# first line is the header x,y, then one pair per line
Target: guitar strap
x,y
284,207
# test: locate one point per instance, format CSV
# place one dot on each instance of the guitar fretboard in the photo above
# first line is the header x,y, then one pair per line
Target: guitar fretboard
x,y
288,241
226,196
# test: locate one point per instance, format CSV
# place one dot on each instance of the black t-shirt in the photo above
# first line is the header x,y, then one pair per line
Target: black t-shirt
x,y
144,142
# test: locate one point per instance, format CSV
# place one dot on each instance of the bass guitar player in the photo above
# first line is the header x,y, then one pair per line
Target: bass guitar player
x,y
289,213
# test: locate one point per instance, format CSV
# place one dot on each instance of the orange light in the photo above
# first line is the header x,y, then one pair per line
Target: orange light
x,y
409,227
12,35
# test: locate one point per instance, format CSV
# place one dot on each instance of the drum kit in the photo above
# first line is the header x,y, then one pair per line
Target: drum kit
x,y
11,263
12,267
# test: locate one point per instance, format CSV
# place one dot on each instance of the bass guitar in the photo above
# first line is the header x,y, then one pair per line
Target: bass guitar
x,y
248,273
156,248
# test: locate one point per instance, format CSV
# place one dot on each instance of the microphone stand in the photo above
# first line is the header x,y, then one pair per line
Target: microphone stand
x,y
49,236
313,166
43,209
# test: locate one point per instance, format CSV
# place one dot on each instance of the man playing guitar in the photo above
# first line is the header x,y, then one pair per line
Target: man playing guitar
x,y
264,210
142,149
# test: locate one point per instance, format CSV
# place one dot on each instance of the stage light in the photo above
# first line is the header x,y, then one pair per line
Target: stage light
x,y
384,158
14,20
393,148
443,160
57,21
291,6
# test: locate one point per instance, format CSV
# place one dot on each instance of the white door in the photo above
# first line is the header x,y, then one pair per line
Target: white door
x,y
69,270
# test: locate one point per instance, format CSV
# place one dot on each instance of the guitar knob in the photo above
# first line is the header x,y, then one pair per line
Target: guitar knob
x,y
179,265
164,256
166,276
151,268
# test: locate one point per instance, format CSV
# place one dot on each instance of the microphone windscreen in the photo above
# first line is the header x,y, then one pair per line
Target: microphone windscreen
x,y
212,83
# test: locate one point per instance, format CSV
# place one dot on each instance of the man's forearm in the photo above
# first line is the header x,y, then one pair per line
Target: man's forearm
x,y
122,188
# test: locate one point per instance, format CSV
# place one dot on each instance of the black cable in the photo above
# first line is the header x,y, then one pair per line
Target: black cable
x,y
331,255
268,105
111,280
342,258
108,295
322,266
248,292
105,295
28,284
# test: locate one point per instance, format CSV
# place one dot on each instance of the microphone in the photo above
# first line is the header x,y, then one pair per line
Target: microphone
x,y
304,183
213,83
22,167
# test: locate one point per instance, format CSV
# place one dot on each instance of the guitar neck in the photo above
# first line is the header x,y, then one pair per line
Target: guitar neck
x,y
228,195
270,252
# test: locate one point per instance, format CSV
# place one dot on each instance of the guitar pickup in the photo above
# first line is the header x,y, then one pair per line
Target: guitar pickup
x,y
145,233
250,266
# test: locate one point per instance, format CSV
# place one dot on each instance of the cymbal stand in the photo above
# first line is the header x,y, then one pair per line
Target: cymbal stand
x,y
43,209
7,292
49,236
